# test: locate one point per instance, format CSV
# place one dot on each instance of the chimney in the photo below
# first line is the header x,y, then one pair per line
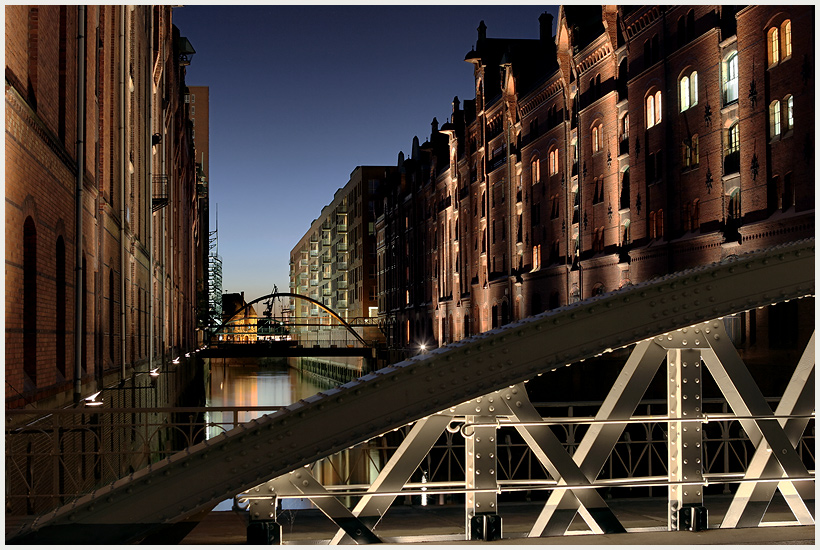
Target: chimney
x,y
482,31
545,21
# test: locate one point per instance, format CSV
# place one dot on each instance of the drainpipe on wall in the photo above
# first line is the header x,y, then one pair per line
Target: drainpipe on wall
x,y
149,146
78,237
123,247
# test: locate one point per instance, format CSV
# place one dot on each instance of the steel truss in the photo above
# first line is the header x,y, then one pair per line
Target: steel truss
x,y
189,482
575,477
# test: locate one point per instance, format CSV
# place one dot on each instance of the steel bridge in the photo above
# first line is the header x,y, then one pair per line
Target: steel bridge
x,y
475,388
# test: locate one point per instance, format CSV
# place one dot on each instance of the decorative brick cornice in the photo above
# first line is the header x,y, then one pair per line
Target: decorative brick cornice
x,y
538,99
642,21
600,53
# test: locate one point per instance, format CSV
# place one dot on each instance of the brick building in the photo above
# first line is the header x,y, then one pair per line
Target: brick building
x,y
101,199
626,146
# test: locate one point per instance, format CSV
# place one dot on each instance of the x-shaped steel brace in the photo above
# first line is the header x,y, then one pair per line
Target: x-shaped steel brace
x,y
752,499
303,482
597,444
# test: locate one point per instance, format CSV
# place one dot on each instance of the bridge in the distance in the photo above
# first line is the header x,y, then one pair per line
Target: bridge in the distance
x,y
475,388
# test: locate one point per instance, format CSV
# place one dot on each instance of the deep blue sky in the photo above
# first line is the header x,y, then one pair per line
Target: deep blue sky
x,y
301,95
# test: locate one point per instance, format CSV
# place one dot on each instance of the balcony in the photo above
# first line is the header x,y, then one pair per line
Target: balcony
x,y
160,197
341,284
326,241
341,265
314,281
341,247
341,304
314,268
496,162
314,253
326,259
326,291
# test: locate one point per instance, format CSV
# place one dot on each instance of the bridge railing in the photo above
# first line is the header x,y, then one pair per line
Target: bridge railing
x,y
70,452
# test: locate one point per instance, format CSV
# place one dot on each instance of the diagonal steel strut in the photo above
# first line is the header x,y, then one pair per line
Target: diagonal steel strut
x,y
594,449
752,499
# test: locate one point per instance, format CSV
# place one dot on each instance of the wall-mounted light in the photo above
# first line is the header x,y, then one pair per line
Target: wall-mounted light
x,y
91,400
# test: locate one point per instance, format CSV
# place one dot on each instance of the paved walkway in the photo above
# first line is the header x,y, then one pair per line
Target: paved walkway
x,y
644,520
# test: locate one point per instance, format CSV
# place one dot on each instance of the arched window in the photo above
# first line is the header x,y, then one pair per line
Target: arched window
x,y
774,119
730,81
786,29
774,46
598,289
653,109
535,167
594,139
652,233
688,91
30,308
553,161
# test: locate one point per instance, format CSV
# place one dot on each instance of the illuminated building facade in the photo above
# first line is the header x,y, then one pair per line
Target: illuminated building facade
x,y
101,210
627,146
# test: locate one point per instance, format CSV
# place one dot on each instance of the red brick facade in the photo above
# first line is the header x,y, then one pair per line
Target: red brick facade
x,y
133,90
562,179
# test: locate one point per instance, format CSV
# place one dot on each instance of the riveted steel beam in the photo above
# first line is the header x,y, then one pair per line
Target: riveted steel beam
x,y
751,500
595,447
174,489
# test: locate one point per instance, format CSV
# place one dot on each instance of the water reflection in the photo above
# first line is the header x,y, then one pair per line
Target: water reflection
x,y
254,383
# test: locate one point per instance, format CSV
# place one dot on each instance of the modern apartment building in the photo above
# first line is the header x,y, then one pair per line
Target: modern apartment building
x,y
101,209
628,145
334,264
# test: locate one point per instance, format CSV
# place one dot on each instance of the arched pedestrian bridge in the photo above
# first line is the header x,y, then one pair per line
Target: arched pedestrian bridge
x,y
476,386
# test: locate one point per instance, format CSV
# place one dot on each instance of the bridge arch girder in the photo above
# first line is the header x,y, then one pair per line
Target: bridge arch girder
x,y
424,385
332,313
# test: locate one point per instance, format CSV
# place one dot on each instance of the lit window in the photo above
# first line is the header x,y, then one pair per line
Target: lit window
x,y
695,150
730,85
774,46
689,91
733,142
536,257
553,161
790,113
774,119
594,139
536,171
787,38
625,128
653,109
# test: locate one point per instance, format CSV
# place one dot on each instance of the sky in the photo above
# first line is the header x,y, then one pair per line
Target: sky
x,y
301,95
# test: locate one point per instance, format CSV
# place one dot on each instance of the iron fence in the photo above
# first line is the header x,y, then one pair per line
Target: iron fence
x,y
55,456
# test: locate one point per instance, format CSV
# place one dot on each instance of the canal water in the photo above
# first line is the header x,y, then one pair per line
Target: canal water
x,y
265,383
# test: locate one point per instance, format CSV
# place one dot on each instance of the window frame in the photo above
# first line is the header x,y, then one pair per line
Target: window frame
x,y
688,90
775,119
731,81
773,45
